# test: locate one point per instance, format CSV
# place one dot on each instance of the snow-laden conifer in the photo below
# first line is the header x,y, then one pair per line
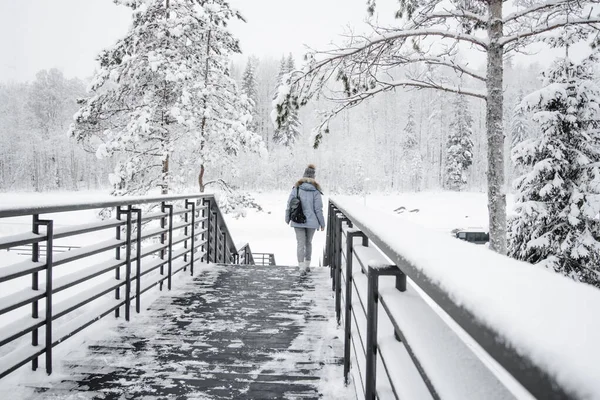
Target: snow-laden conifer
x,y
556,222
459,148
289,131
411,161
163,101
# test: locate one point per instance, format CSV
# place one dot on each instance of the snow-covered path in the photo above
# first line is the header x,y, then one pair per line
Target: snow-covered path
x,y
230,333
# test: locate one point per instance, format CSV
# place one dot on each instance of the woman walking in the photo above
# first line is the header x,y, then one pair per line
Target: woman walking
x,y
309,192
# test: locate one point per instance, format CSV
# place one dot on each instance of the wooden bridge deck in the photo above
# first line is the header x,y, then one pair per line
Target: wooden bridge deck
x,y
234,332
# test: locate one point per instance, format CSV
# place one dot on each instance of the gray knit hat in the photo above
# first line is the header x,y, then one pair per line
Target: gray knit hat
x,y
309,172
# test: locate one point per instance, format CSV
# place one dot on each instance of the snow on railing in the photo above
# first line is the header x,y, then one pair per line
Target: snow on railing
x,y
149,249
469,323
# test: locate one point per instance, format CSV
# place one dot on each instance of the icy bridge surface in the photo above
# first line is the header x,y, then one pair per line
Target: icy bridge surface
x,y
233,332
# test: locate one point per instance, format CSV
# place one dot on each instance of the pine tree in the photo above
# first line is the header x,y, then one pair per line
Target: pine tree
x,y
288,132
518,125
556,224
459,149
250,89
412,163
163,97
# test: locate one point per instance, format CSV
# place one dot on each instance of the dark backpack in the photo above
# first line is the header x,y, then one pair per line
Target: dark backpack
x,y
296,213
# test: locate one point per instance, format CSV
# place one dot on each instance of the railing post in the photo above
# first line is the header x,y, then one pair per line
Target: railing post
x,y
128,265
224,256
163,225
138,259
206,228
170,257
193,231
35,257
215,237
348,305
371,348
334,249
118,269
49,256
338,272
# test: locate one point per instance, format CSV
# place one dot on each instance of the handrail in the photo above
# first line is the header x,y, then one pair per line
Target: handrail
x,y
346,222
110,202
145,256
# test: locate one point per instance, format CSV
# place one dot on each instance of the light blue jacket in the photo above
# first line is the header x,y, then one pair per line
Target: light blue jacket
x,y
312,204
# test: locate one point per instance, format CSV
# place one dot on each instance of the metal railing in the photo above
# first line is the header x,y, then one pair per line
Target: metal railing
x,y
150,247
27,250
358,258
264,258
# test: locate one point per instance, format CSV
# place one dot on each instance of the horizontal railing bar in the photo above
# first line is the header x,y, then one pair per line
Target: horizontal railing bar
x,y
86,228
87,251
151,232
18,328
390,349
82,299
7,242
82,321
149,266
180,211
181,239
181,225
19,299
75,278
356,357
48,208
154,215
148,250
19,357
357,330
20,269
179,253
180,265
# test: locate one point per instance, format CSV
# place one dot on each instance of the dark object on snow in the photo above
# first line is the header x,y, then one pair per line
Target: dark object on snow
x,y
472,235
296,213
401,209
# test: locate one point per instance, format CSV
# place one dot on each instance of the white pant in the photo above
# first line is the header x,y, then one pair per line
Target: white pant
x,y
304,238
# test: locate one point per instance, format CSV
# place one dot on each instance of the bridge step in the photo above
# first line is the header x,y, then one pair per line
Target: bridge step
x,y
235,332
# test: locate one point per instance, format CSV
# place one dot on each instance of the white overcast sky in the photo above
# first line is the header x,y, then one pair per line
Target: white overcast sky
x,y
68,34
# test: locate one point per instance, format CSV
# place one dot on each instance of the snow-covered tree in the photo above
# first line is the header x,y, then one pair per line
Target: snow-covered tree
x,y
162,98
249,87
518,126
432,33
411,161
289,131
459,149
557,221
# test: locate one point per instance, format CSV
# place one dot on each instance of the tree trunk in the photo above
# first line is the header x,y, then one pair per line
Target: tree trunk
x,y
201,179
165,176
495,134
203,125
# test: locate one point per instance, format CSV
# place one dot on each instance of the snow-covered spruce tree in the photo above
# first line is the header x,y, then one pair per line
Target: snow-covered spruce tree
x,y
151,103
519,131
411,161
459,148
557,224
289,131
518,126
431,33
250,88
